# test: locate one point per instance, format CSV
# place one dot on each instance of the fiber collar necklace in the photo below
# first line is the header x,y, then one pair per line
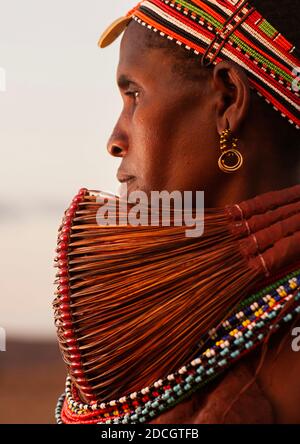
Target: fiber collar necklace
x,y
240,281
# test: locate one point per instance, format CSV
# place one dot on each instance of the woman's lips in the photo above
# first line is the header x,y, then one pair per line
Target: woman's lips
x,y
124,178
124,187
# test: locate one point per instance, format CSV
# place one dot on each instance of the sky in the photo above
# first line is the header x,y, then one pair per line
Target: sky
x,y
60,104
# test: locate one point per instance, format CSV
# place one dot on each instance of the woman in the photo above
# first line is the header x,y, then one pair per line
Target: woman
x,y
211,102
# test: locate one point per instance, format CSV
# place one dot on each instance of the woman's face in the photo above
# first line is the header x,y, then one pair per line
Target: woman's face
x,y
166,133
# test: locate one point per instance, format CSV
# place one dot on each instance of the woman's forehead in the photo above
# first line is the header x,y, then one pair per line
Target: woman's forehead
x,y
136,55
135,41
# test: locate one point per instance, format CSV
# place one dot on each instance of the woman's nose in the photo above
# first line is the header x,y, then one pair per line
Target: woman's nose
x,y
115,150
117,145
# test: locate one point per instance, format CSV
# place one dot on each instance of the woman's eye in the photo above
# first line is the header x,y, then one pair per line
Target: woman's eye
x,y
134,94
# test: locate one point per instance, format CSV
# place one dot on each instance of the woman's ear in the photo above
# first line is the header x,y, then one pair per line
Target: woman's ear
x,y
232,85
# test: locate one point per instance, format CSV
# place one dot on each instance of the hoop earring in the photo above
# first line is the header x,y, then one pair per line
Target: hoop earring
x,y
231,159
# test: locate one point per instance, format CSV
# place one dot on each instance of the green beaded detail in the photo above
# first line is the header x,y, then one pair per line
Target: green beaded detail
x,y
268,29
266,290
201,13
260,58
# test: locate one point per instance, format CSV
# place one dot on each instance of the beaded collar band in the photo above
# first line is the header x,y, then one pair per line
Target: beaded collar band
x,y
219,30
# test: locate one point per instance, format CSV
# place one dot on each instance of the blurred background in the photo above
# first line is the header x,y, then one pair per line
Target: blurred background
x,y
58,107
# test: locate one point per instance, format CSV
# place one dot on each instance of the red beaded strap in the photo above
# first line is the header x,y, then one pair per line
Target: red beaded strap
x,y
63,303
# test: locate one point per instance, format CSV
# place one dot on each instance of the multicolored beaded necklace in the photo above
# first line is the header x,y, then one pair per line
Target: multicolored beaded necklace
x,y
256,318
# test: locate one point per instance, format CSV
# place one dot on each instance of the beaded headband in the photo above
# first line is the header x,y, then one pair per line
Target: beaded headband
x,y
219,30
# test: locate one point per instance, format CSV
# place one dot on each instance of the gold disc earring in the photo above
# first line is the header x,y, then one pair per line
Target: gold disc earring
x,y
231,159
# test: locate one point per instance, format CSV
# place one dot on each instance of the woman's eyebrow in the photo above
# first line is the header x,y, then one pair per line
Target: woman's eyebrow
x,y
124,81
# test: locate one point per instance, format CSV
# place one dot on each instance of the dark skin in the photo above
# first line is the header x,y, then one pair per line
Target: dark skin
x,y
168,138
168,133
